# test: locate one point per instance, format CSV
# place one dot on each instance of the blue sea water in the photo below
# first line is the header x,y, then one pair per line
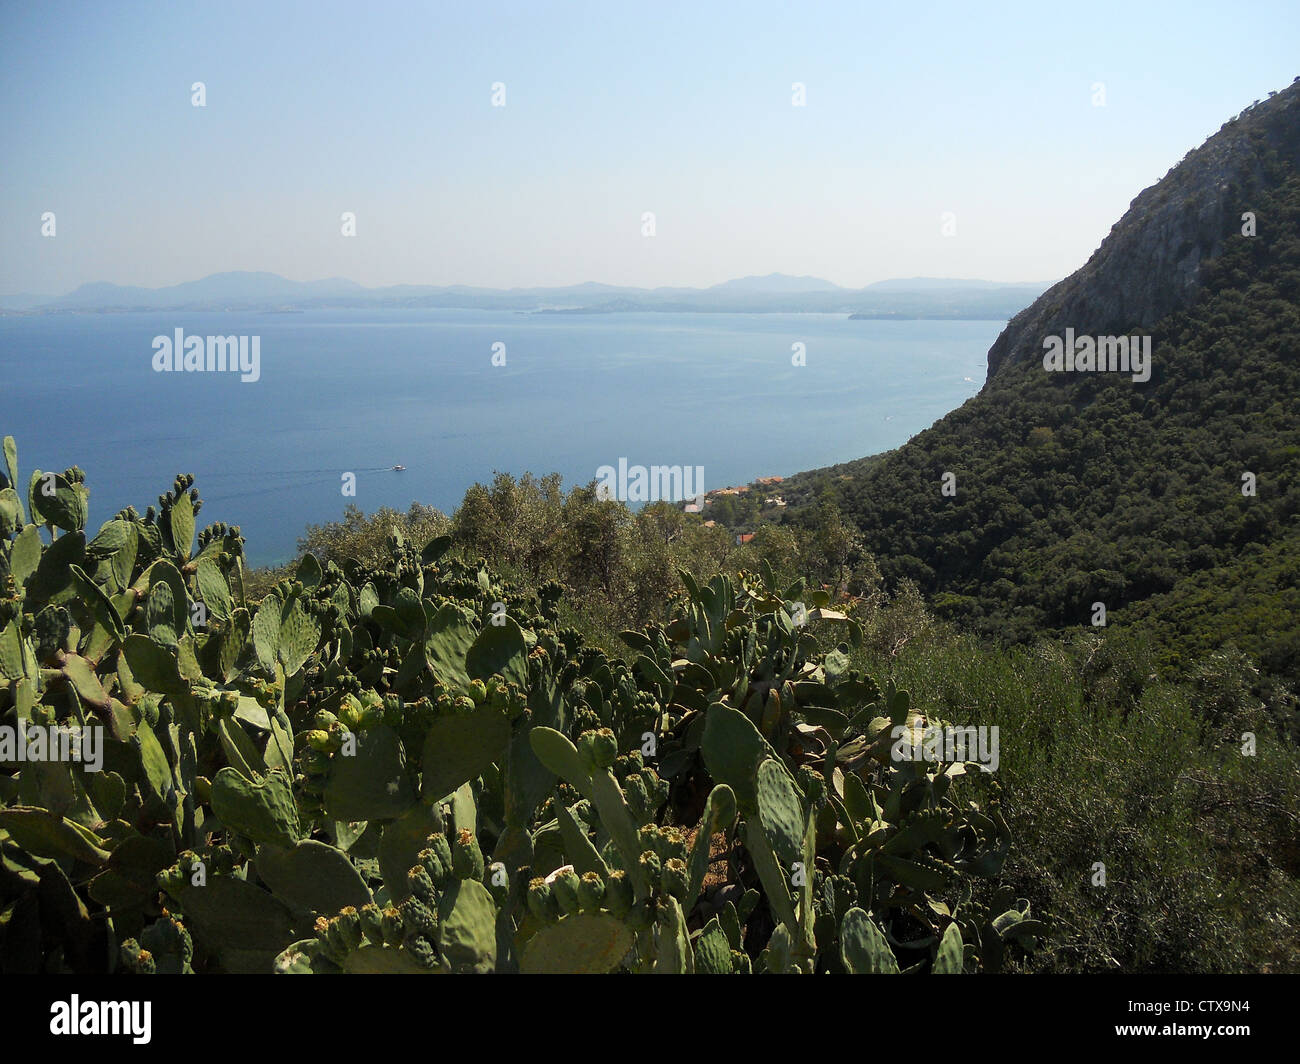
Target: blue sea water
x,y
362,390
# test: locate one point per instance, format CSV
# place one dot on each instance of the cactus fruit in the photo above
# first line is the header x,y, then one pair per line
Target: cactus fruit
x,y
360,735
166,938
350,929
422,950
598,748
541,902
417,917
134,960
638,797
372,923
420,884
393,926
618,894
674,879
591,891
651,866
466,857
564,888
436,859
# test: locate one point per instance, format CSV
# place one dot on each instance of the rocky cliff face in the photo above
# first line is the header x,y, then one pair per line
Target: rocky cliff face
x,y
1150,263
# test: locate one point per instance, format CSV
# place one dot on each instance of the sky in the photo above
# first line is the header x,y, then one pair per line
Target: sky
x,y
979,119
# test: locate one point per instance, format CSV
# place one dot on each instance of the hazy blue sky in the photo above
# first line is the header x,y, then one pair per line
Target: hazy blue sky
x,y
612,109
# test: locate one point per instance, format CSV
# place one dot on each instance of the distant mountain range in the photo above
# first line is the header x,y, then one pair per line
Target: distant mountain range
x,y
918,297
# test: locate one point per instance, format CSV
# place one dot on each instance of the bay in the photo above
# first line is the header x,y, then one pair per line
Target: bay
x,y
363,390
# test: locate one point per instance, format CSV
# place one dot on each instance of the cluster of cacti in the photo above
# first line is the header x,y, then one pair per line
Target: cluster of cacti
x,y
413,768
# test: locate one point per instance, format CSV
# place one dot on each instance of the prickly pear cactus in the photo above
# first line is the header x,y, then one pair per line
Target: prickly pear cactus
x,y
412,768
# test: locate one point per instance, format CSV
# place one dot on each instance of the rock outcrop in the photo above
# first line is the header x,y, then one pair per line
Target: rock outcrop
x,y
1150,264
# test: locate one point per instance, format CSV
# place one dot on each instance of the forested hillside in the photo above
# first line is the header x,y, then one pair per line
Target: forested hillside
x,y
546,733
1078,488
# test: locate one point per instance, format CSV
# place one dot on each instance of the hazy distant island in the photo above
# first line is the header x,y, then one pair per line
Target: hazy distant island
x,y
902,298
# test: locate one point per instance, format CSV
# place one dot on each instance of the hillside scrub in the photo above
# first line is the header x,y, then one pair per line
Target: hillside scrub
x,y
413,767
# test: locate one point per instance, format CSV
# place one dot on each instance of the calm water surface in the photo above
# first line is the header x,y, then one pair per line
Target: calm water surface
x,y
362,390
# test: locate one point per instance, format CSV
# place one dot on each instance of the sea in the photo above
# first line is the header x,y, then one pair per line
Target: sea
x,y
362,391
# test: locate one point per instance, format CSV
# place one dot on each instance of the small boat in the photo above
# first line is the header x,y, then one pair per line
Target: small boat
x,y
399,468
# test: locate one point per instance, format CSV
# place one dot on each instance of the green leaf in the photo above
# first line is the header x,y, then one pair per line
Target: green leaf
x,y
309,572
25,555
911,874
241,925
11,512
774,878
499,649
367,599
299,635
372,784
408,615
213,589
950,956
11,462
577,846
53,581
449,637
153,760
152,665
583,944
856,799
863,947
780,811
122,562
234,640
617,819
111,538
402,840
264,809
100,604
266,632
46,835
673,954
160,615
312,876
467,935
381,960
712,950
557,753
81,675
162,571
12,658
733,749
181,524
65,505
459,748
239,749
435,549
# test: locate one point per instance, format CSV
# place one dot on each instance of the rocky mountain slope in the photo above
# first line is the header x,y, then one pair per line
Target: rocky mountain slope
x,y
1154,498
1151,263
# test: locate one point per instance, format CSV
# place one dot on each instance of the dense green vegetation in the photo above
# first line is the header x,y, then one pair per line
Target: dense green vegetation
x,y
1103,759
547,733
1078,488
481,744
415,767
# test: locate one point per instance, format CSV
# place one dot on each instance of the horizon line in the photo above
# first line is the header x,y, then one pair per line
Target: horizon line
x,y
528,288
